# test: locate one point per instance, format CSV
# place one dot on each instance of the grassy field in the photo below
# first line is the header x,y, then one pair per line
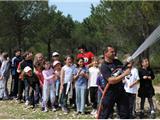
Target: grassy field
x,y
10,109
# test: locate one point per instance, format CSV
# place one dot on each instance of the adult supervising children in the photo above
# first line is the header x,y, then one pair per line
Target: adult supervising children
x,y
116,92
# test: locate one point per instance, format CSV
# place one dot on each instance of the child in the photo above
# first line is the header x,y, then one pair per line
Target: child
x,y
81,77
57,69
48,86
34,85
131,88
146,89
38,71
1,83
5,73
66,81
93,74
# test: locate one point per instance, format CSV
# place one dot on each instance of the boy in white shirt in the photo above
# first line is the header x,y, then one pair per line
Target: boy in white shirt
x,y
131,87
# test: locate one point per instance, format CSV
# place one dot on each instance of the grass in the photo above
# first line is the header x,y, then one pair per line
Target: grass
x,y
156,81
10,109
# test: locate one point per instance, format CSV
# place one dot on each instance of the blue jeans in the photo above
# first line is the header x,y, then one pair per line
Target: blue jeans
x,y
80,98
26,90
57,87
48,90
99,97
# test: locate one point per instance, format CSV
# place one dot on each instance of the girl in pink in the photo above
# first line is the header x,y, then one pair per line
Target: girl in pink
x,y
48,86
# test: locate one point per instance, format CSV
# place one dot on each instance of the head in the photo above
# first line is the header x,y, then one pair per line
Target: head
x,y
5,55
95,61
17,52
57,65
145,63
47,65
82,49
109,53
28,71
55,56
80,62
69,60
100,60
28,55
38,58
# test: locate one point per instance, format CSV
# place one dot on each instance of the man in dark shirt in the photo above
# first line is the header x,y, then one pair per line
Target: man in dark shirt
x,y
116,92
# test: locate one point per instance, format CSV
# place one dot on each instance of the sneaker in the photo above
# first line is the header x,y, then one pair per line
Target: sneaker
x,y
152,112
27,103
94,111
77,113
65,110
45,110
53,109
142,114
82,113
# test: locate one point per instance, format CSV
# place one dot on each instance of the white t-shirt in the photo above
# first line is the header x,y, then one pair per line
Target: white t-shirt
x,y
93,74
68,73
129,79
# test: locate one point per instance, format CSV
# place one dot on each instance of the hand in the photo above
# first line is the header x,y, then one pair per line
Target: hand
x,y
82,73
127,72
149,77
1,77
79,71
61,89
145,77
130,86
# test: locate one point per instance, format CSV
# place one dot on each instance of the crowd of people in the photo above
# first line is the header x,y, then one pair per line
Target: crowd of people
x,y
79,82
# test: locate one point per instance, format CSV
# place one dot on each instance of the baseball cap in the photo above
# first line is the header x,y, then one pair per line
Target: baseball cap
x,y
27,69
56,62
55,53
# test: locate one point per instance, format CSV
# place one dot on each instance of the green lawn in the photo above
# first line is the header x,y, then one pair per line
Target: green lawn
x,y
10,109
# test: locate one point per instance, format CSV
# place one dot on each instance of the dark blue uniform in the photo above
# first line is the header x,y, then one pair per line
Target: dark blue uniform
x,y
115,94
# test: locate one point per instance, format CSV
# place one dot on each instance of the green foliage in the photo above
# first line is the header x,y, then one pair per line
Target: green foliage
x,y
36,26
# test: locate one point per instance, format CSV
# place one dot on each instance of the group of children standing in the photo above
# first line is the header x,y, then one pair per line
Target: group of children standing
x,y
52,82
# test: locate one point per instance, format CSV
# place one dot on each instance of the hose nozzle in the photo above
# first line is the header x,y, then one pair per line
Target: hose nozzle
x,y
129,59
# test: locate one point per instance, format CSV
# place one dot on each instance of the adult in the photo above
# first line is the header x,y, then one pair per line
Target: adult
x,y
116,92
86,55
15,75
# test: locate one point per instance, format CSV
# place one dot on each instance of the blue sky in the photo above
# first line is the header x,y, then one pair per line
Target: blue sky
x,y
78,9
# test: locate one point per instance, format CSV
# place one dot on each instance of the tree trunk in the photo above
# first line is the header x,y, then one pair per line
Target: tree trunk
x,y
49,49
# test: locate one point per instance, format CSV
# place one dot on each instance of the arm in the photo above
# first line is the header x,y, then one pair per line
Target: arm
x,y
152,76
100,89
134,83
76,75
115,80
48,77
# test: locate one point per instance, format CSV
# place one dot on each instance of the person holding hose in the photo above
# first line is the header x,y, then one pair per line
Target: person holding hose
x,y
115,92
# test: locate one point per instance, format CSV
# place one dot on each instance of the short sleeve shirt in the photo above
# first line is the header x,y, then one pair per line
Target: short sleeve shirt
x,y
107,70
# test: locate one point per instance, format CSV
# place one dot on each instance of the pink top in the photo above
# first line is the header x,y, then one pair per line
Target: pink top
x,y
49,76
40,77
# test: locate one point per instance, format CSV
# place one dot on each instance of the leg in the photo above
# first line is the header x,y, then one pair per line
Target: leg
x,y
142,104
150,100
26,84
78,99
107,105
52,95
83,96
123,104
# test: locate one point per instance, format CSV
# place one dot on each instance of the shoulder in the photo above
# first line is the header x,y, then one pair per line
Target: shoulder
x,y
117,62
